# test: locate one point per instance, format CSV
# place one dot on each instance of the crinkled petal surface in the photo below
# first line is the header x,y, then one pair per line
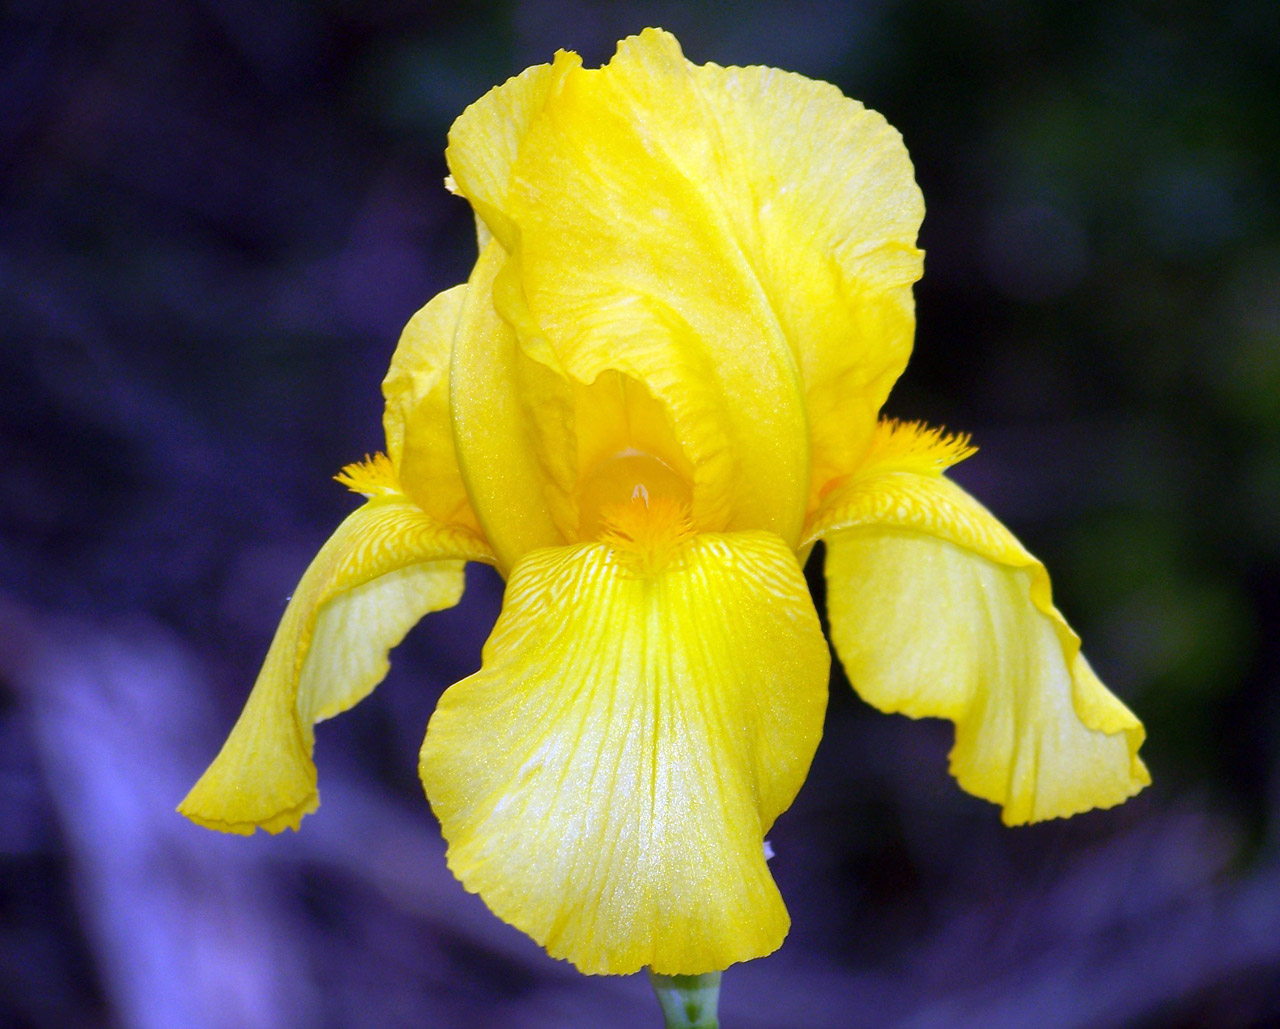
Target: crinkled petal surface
x,y
606,779
386,566
936,609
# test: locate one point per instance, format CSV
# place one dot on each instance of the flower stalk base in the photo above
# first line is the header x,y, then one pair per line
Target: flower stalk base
x,y
688,1001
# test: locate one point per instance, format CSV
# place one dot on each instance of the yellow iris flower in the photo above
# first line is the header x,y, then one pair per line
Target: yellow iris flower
x,y
658,389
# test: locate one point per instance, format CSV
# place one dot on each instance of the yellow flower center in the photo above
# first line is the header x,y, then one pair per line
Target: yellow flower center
x,y
638,505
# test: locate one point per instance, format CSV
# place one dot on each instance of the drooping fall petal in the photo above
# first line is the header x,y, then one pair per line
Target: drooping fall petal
x,y
386,566
936,609
606,779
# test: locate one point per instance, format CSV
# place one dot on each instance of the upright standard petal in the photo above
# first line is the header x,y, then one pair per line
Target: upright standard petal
x,y
512,426
622,258
822,195
936,609
386,566
417,418
643,713
530,441
485,141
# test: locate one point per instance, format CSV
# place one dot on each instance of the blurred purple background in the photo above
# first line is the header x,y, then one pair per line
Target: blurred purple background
x,y
216,216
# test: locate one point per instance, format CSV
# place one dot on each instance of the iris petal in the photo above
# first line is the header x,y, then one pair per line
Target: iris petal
x,y
386,566
485,140
936,609
830,231
697,243
606,779
629,264
512,425
417,421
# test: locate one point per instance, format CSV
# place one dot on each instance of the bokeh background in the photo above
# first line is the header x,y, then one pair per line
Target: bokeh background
x,y
215,217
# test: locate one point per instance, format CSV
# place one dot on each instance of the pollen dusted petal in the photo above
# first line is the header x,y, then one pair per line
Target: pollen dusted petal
x,y
606,779
937,610
386,566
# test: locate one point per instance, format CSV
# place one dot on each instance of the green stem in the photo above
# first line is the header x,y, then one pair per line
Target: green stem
x,y
688,1001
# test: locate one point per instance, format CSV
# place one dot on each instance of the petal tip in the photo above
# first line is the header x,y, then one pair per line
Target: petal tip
x,y
207,809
